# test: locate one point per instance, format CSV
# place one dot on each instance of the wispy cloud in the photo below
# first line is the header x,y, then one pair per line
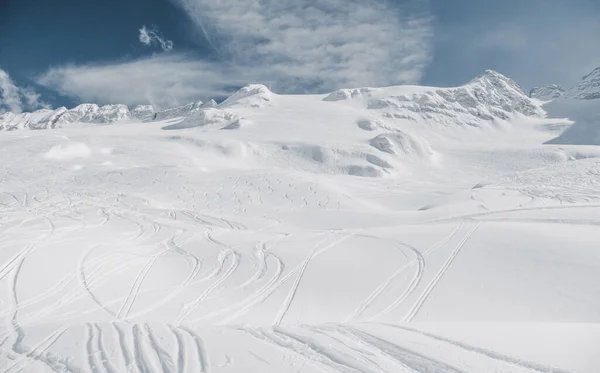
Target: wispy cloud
x,y
295,46
150,36
319,44
17,99
164,80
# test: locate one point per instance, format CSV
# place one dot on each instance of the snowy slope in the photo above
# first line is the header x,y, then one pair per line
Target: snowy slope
x,y
397,229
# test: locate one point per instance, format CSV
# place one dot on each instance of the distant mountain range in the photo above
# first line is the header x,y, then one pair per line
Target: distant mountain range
x,y
489,99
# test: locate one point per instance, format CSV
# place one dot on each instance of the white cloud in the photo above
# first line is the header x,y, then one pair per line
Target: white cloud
x,y
149,36
164,80
319,44
16,99
294,46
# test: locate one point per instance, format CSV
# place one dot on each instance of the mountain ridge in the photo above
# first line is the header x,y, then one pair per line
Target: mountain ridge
x,y
489,97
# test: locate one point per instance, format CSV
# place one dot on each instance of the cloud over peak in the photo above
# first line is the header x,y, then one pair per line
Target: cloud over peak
x,y
16,99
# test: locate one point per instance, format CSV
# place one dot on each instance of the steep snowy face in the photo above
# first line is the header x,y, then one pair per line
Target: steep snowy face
x,y
547,93
486,99
587,89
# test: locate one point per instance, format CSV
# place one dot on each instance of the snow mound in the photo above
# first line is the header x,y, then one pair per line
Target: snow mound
x,y
237,124
321,159
345,94
400,143
547,93
70,151
369,124
224,148
255,95
204,117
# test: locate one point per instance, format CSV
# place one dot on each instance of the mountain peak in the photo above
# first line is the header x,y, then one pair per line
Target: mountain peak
x,y
491,79
595,74
491,75
547,92
587,89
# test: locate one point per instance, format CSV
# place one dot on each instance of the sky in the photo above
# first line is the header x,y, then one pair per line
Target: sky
x,y
169,52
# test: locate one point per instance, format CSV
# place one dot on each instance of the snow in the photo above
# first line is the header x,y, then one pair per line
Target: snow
x,y
547,93
397,229
581,104
588,88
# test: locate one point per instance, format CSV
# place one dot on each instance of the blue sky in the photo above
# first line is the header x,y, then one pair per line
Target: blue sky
x,y
73,51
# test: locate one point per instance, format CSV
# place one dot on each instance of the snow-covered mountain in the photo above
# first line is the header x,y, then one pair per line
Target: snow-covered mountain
x,y
92,113
84,113
581,104
587,89
489,98
547,93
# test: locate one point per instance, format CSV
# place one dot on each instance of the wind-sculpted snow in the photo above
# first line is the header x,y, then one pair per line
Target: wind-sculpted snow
x,y
276,233
401,143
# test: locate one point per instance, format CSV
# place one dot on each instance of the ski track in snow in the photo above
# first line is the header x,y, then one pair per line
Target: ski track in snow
x,y
423,297
297,243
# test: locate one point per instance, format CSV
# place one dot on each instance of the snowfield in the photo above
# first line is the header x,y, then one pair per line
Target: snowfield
x,y
399,229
